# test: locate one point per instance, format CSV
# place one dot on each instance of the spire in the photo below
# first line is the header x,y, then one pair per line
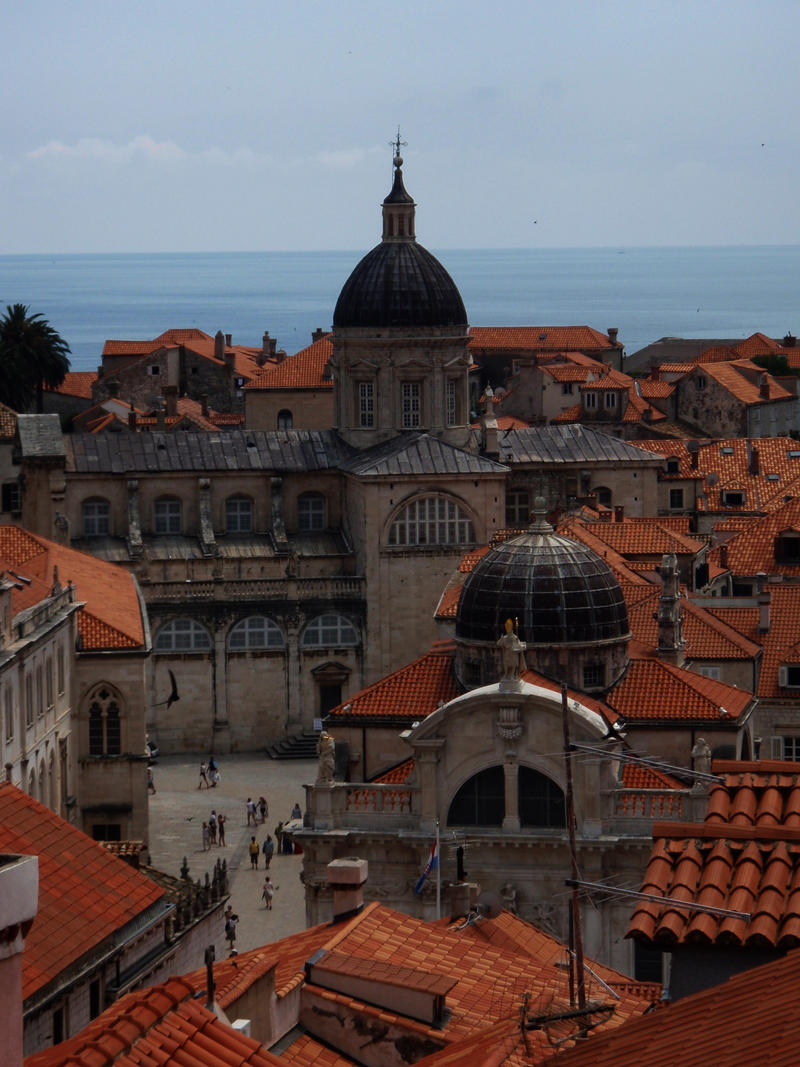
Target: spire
x,y
398,207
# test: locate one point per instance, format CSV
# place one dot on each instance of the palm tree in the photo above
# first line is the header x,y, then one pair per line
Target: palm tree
x,y
33,357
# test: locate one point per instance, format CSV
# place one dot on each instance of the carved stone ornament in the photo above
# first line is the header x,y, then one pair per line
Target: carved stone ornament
x,y
508,723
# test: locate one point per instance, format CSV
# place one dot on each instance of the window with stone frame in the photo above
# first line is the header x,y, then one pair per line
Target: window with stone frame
x,y
285,419
60,670
451,400
590,400
311,512
593,675
330,631
411,405
239,514
96,517
366,405
676,498
610,399
48,683
431,520
29,698
480,801
518,508
182,635
105,728
540,800
168,515
255,632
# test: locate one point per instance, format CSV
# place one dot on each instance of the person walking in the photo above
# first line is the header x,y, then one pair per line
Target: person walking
x,y
268,892
268,848
279,837
213,771
253,850
251,811
231,921
221,830
206,838
203,775
263,809
151,785
212,827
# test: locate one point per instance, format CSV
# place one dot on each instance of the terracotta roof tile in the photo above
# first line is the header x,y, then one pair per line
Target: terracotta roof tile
x,y
683,696
779,644
78,383
638,776
732,377
753,549
111,616
643,537
706,635
8,423
305,370
408,694
85,893
540,338
398,775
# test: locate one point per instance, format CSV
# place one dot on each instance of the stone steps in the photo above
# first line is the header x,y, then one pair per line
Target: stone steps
x,y
300,746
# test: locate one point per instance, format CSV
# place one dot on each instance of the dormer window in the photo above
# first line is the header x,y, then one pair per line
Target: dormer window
x,y
787,547
732,498
701,381
673,465
789,676
611,400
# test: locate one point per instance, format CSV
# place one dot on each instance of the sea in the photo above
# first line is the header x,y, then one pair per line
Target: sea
x,y
646,293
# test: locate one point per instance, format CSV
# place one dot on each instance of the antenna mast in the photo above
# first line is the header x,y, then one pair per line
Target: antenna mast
x,y
577,977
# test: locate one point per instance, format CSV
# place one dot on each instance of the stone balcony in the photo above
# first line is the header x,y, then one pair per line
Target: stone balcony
x,y
334,588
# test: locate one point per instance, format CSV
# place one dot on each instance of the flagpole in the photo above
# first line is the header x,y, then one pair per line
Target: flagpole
x,y
438,875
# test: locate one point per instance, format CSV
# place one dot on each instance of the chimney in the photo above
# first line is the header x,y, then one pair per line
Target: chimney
x,y
670,616
204,404
19,893
605,514
723,557
612,334
219,346
132,420
764,601
317,335
264,353
463,899
280,355
171,396
229,339
619,513
789,341
273,344
755,460
763,386
693,448
346,878
489,427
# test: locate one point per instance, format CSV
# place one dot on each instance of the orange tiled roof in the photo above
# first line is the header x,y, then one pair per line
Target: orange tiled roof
x,y
410,693
753,549
654,691
676,368
398,775
567,372
651,388
85,893
754,1017
540,338
717,354
111,616
745,857
165,339
647,537
245,357
758,344
78,383
305,370
8,423
731,376
306,1051
706,635
504,422
154,1027
638,776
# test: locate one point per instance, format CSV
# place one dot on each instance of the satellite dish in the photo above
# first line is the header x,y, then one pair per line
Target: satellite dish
x,y
489,905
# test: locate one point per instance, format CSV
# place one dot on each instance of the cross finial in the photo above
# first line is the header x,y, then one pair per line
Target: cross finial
x,y
397,144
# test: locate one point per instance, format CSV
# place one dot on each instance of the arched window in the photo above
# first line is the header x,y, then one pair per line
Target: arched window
x,y
183,635
327,631
257,631
541,802
432,520
310,512
481,800
95,514
105,732
167,515
239,514
285,420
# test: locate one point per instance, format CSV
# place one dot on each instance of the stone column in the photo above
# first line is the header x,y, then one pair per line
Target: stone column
x,y
219,697
426,754
294,709
511,818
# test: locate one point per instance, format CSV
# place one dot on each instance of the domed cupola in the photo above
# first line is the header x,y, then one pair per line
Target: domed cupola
x,y
400,337
565,604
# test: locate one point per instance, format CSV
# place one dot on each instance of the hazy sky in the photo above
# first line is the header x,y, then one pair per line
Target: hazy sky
x,y
173,126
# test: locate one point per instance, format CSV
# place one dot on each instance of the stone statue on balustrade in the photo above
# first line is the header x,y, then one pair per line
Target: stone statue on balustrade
x,y
326,751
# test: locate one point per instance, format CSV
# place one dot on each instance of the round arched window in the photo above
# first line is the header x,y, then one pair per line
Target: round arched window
x,y
183,635
432,520
327,631
257,631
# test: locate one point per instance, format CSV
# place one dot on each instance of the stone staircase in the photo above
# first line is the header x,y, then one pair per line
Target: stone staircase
x,y
299,746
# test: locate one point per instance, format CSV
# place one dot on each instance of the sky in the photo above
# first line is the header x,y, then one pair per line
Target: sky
x,y
258,126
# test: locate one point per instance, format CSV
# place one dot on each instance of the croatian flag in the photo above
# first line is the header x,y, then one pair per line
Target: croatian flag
x,y
431,865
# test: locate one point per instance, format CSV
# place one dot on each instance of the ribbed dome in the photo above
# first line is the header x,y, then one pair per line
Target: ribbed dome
x,y
560,591
399,284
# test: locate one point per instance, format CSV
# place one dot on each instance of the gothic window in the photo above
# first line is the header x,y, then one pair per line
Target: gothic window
x,y
183,635
411,405
432,520
285,419
168,515
257,631
481,800
366,405
48,681
518,511
105,732
95,515
239,514
330,631
541,802
310,512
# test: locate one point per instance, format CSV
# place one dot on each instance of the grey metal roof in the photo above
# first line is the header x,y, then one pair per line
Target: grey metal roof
x,y
40,436
568,444
233,450
418,453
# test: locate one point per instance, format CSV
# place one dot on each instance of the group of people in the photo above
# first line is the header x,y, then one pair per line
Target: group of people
x,y
256,809
209,774
268,848
214,830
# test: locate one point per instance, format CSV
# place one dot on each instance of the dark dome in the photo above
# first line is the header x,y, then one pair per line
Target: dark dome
x,y
399,284
560,591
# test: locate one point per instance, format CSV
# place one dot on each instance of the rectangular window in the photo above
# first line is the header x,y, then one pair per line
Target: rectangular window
x,y
168,516
8,707
590,400
366,405
95,518
566,388
154,370
411,397
451,402
611,400
10,501
732,498
60,680
29,700
791,747
709,672
676,498
517,508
